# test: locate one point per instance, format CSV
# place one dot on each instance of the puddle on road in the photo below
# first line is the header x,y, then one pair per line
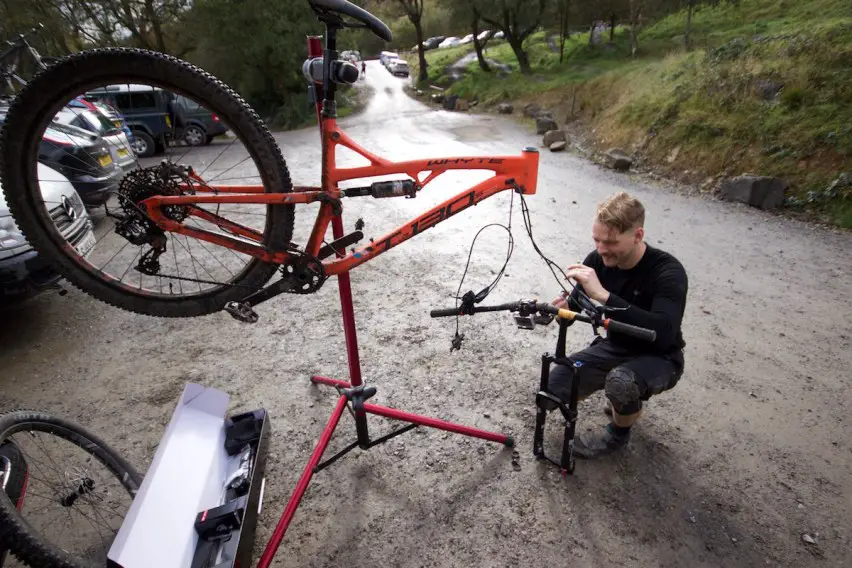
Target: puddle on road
x,y
472,132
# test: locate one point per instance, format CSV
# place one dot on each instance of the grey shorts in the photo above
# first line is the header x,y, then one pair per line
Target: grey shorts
x,y
654,373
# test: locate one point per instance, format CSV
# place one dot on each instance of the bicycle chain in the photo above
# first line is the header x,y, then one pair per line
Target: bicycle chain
x,y
302,258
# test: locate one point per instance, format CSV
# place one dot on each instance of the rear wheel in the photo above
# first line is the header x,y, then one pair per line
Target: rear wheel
x,y
190,277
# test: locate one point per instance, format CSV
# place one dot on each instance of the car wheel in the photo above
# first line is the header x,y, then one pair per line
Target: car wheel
x,y
143,144
193,135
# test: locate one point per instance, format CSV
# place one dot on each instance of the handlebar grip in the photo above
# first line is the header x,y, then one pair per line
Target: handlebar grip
x,y
631,330
444,313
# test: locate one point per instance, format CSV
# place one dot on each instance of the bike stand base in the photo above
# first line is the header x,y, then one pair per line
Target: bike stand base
x,y
360,409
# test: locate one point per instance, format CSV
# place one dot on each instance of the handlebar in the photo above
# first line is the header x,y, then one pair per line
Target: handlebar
x,y
528,307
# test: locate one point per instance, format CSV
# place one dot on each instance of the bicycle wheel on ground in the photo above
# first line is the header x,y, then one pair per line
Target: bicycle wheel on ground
x,y
65,146
74,496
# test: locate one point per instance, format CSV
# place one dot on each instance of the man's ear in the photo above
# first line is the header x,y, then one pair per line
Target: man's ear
x,y
639,235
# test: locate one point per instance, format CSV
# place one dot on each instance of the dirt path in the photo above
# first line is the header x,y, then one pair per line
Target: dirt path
x,y
730,468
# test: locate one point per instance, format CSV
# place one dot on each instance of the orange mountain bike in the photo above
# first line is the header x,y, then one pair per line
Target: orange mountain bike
x,y
204,227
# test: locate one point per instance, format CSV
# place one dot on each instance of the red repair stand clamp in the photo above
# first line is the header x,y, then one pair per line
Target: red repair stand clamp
x,y
354,392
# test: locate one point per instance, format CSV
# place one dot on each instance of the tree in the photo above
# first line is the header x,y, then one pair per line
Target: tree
x,y
151,24
414,10
517,19
478,45
467,11
564,11
635,16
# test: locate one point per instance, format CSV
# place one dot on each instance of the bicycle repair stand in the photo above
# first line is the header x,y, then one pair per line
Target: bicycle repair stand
x,y
566,462
353,392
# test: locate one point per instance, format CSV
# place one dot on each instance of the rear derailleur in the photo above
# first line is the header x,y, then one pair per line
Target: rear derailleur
x,y
140,232
303,275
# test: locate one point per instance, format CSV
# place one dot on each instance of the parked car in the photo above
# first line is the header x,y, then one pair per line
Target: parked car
x,y
466,39
97,123
433,42
450,42
110,112
83,157
198,125
23,273
385,56
398,67
149,113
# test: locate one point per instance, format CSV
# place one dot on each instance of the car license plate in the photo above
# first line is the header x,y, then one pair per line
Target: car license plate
x,y
105,160
122,152
87,244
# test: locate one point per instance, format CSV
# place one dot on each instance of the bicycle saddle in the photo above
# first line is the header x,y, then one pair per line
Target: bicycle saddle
x,y
345,8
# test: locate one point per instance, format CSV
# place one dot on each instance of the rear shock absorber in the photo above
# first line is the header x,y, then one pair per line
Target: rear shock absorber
x,y
380,189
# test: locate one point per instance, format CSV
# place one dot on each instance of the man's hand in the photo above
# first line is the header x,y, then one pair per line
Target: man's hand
x,y
589,280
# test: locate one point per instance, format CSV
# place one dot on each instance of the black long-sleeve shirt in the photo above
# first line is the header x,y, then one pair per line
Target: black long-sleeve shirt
x,y
654,293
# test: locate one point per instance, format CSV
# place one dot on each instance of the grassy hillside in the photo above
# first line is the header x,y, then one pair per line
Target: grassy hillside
x,y
767,89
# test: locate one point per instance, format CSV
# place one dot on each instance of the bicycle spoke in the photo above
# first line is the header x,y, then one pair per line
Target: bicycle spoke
x,y
129,266
192,257
32,461
174,252
230,144
231,168
202,266
57,468
116,254
213,255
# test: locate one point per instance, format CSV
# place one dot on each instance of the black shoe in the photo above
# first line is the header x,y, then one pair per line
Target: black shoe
x,y
599,443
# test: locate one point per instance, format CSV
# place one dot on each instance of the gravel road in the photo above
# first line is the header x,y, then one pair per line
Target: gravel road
x,y
731,468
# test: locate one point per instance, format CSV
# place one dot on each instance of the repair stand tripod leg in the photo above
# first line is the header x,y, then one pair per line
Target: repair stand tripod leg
x,y
356,393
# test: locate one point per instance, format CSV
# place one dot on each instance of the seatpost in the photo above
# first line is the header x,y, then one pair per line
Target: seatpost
x,y
329,105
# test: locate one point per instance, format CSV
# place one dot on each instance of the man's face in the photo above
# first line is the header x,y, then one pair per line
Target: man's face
x,y
615,248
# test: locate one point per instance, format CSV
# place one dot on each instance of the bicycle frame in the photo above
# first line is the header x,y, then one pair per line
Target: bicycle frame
x,y
519,171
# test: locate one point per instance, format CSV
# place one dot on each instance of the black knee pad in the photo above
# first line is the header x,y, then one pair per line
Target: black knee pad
x,y
622,391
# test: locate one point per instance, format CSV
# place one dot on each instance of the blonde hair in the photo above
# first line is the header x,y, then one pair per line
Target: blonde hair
x,y
621,212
